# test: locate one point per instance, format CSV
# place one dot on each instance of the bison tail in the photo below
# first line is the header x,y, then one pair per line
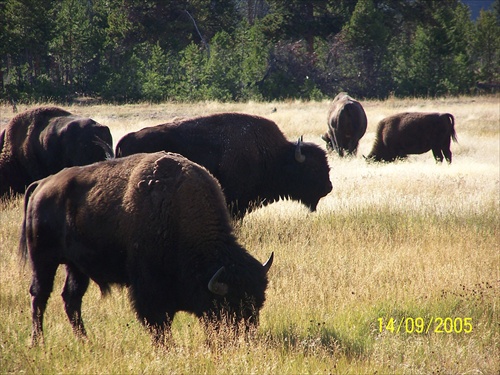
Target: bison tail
x,y
452,127
23,248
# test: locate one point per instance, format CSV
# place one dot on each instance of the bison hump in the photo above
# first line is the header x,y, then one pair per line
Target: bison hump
x,y
165,170
168,165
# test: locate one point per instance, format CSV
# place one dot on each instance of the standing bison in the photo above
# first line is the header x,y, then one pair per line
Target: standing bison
x,y
43,141
346,125
249,155
414,133
156,223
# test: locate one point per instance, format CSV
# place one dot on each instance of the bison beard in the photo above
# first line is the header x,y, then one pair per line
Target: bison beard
x,y
44,140
156,223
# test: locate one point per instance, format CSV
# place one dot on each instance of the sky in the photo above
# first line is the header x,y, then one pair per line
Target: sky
x,y
477,5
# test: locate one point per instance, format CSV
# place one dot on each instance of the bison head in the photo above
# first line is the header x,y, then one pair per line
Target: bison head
x,y
84,141
238,293
306,174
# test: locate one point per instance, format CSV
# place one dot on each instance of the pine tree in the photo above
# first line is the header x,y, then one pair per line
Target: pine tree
x,y
486,47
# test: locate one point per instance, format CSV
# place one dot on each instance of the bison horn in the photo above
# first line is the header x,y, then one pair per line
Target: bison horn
x,y
269,262
298,153
215,286
108,150
328,140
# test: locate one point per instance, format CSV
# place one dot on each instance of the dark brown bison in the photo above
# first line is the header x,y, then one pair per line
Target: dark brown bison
x,y
249,155
346,125
156,223
414,133
42,141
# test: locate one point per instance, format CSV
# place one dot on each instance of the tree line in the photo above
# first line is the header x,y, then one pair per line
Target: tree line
x,y
237,50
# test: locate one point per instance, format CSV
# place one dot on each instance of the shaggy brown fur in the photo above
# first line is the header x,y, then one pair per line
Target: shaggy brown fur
x,y
156,223
346,125
414,133
249,155
42,141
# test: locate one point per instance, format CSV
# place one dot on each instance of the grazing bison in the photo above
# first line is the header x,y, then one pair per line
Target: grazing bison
x,y
43,141
249,155
346,125
414,133
156,223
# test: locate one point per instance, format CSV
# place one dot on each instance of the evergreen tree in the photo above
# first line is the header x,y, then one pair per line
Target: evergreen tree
x,y
459,77
192,78
434,59
222,69
157,84
76,46
486,47
154,50
365,38
253,52
297,19
28,29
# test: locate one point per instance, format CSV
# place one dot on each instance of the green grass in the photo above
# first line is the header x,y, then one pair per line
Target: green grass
x,y
394,241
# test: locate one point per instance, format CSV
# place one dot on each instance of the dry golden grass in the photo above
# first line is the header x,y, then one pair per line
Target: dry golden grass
x,y
410,239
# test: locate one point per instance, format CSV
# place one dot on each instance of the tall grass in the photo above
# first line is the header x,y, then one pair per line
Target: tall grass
x,y
407,240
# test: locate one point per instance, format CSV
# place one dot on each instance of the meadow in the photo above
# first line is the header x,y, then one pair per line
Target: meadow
x,y
397,272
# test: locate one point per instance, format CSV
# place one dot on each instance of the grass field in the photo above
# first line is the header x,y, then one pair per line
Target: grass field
x,y
397,272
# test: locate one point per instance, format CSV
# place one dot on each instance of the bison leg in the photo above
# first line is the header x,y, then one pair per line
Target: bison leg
x,y
447,153
438,155
40,289
238,210
74,288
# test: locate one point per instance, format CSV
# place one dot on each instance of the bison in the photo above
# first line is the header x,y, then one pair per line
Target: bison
x,y
156,223
346,125
249,155
414,133
42,141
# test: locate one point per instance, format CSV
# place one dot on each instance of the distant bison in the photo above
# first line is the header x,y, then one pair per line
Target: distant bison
x,y
414,133
249,155
346,125
43,141
156,223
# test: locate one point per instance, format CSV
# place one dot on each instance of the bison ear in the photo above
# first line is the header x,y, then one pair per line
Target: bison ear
x,y
298,152
217,287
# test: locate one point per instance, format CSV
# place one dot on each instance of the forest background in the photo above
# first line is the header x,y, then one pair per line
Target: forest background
x,y
237,50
